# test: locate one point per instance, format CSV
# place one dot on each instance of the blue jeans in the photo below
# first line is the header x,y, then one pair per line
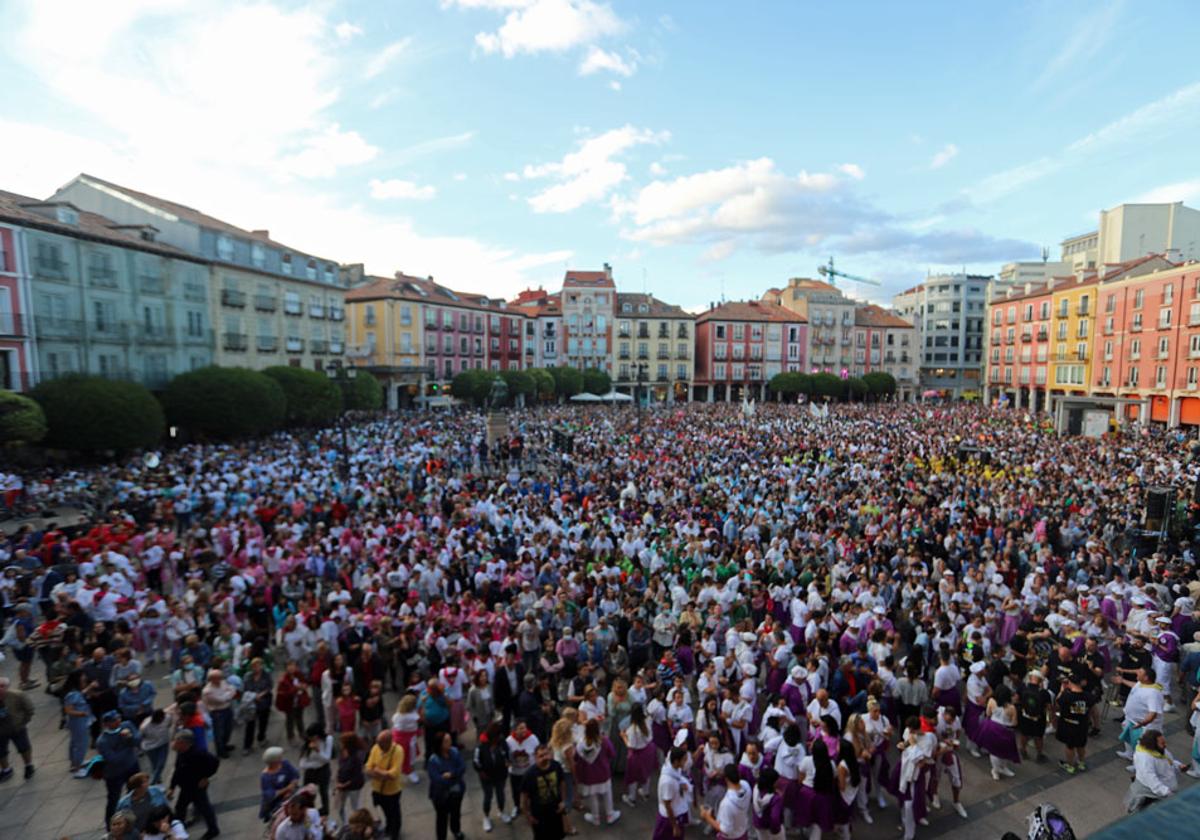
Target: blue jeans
x,y
77,747
158,762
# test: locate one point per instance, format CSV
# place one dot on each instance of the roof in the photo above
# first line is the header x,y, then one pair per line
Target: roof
x,y
657,308
185,213
19,209
870,315
424,290
588,279
751,310
1114,271
812,285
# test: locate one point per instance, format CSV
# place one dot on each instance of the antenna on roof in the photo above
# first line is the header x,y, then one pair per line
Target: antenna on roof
x,y
1045,254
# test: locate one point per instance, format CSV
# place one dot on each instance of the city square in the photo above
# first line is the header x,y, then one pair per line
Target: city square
x,y
552,418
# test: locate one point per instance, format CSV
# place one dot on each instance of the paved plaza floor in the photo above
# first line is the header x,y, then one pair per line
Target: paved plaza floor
x,y
54,805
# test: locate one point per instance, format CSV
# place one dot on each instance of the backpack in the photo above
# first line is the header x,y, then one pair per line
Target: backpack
x,y
1048,823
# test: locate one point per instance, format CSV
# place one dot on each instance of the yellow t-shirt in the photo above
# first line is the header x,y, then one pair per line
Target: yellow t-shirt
x,y
391,763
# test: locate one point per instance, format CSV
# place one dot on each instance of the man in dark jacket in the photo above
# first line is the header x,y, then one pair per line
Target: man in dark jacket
x,y
193,768
118,746
510,677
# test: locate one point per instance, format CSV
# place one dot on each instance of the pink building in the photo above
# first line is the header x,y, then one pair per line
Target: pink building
x,y
741,345
16,356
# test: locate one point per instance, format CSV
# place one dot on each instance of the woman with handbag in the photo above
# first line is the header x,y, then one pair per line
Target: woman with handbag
x,y
291,698
447,786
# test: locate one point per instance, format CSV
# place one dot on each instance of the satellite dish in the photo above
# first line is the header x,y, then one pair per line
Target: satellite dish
x,y
151,459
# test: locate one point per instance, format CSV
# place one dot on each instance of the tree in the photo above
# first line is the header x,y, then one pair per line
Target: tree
x,y
312,398
225,403
21,419
857,387
519,382
596,381
827,385
91,414
880,384
567,381
785,384
543,383
474,386
362,393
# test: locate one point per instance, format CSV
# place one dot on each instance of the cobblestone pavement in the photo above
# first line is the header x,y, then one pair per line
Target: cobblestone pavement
x,y
54,805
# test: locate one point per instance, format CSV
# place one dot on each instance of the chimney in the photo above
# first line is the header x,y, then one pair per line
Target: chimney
x,y
265,234
608,271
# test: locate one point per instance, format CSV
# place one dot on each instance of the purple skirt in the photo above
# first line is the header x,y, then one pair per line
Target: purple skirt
x,y
797,633
1008,628
664,827
972,714
997,740
660,734
790,789
640,764
916,791
951,698
686,658
775,679
815,808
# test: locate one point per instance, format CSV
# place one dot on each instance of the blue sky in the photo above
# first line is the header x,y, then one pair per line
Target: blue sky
x,y
700,147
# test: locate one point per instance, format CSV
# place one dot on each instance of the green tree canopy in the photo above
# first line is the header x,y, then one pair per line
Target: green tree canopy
x,y
858,388
362,393
827,385
21,419
312,398
567,381
880,384
543,383
474,385
596,381
225,402
92,414
519,382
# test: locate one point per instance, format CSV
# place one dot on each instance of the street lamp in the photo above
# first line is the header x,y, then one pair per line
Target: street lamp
x,y
344,376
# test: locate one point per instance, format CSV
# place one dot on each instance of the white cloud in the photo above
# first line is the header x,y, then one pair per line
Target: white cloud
x,y
614,85
853,170
460,176
222,107
753,204
1090,34
399,188
598,59
325,153
944,155
512,176
657,169
533,26
1174,113
591,172
1188,191
347,31
386,57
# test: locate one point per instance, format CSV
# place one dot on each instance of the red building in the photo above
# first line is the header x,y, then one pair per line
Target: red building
x,y
16,354
741,345
1019,345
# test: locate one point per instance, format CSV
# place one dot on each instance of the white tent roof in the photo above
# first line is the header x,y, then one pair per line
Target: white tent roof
x,y
615,396
585,397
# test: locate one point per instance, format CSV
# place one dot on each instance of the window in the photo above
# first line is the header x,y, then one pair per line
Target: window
x,y
1110,304
405,315
719,371
1138,297
1164,347
1164,318
1168,294
1083,330
739,332
738,372
1191,378
258,255
720,331
1160,376
1064,306
1135,349
1194,347
225,248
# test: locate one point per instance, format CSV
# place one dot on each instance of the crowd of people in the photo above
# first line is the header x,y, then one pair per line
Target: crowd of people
x,y
761,621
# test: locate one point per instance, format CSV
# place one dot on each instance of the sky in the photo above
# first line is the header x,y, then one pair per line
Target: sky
x,y
704,149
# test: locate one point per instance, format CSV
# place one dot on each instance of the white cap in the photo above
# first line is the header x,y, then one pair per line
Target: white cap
x,y
978,667
879,610
1162,619
749,670
798,673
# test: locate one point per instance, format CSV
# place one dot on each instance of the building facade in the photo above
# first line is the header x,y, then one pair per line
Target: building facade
x,y
588,303
108,298
384,318
830,318
886,343
18,362
1018,368
741,345
653,351
270,304
948,312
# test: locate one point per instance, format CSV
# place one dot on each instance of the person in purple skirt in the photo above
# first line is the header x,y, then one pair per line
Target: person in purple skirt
x,y
593,774
642,758
996,734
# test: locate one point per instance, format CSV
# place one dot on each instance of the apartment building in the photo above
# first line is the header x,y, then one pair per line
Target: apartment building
x,y
270,304
949,312
653,349
543,327
741,345
830,318
108,297
588,304
886,343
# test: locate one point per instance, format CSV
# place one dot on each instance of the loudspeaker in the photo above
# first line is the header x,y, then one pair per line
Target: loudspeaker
x,y
1156,502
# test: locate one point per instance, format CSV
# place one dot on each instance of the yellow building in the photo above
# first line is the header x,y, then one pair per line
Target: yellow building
x,y
656,338
385,335
1073,313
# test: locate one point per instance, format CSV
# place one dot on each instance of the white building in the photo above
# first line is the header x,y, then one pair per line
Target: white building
x,y
948,311
1129,231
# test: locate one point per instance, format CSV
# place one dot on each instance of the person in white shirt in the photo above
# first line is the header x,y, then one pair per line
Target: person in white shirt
x,y
674,797
1155,771
1143,708
732,818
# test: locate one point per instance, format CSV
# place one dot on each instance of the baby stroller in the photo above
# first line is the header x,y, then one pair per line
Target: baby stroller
x,y
1047,823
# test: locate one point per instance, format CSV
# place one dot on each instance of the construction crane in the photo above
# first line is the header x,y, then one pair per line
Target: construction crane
x,y
831,274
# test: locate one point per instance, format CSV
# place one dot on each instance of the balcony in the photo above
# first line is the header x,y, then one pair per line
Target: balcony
x,y
266,344
995,340
643,355
643,332
318,346
294,344
479,327
50,268
1043,335
294,308
316,310
681,376
478,351
108,331
683,355
1135,327
1082,310
431,325
336,347
682,333
528,350
1008,339
265,303
234,341
154,334
151,284
1026,338
664,331
1164,325
196,336
624,354
232,297
623,377
337,313
102,276
1108,330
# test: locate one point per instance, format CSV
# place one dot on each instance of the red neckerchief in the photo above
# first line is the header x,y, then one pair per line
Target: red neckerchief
x,y
927,727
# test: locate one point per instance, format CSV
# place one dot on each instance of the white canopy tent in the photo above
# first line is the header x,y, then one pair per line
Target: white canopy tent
x,y
614,397
585,397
